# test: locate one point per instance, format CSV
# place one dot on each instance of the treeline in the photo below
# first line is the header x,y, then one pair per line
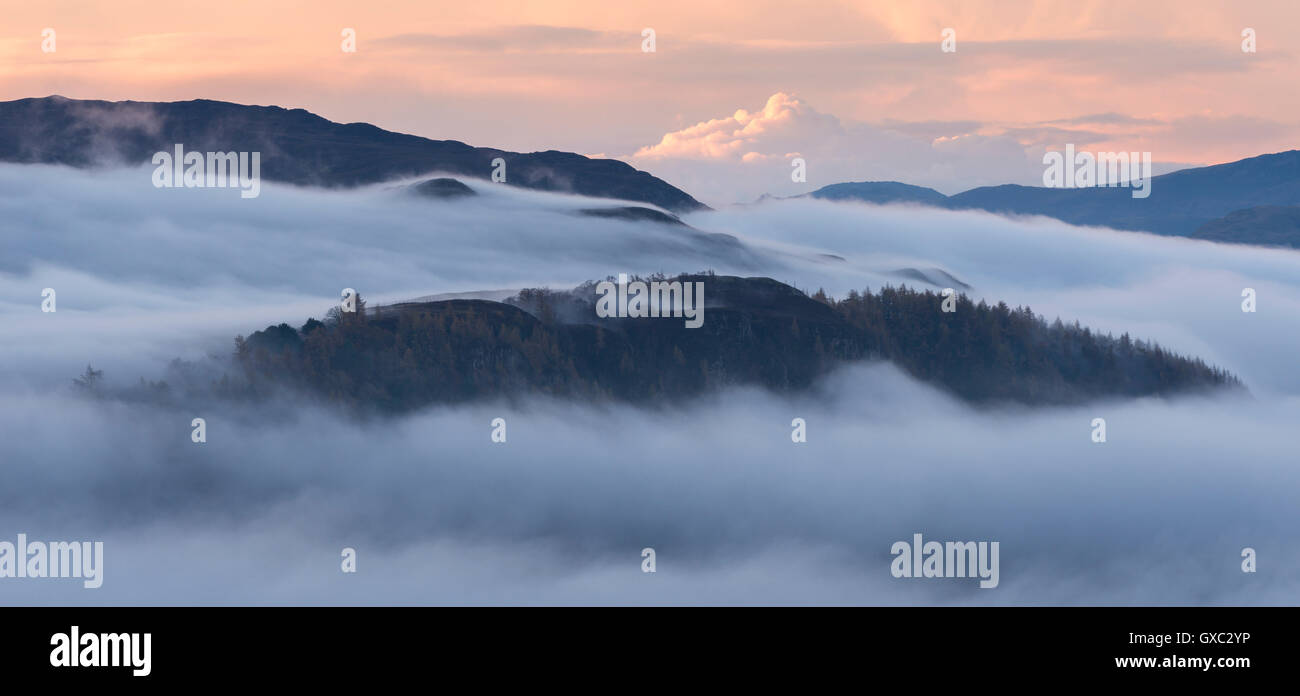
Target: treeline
x,y
988,352
756,331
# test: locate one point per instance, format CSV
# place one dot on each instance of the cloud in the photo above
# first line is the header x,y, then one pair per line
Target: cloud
x,y
1109,118
572,76
518,39
736,512
559,514
748,154
784,120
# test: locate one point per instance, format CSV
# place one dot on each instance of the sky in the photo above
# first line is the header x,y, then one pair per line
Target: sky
x,y
733,90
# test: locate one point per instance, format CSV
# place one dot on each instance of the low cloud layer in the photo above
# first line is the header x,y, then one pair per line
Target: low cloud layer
x,y
735,511
560,512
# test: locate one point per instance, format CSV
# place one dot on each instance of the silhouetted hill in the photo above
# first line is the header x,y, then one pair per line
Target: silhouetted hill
x,y
297,147
880,192
1179,204
756,331
442,188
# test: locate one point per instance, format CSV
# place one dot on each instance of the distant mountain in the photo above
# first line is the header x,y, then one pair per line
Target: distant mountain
x,y
1271,225
1180,203
755,331
880,192
297,147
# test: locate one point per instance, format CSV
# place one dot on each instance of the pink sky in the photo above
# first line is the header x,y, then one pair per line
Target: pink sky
x,y
860,89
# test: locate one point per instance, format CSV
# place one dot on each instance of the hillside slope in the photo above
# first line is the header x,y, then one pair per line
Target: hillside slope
x,y
297,147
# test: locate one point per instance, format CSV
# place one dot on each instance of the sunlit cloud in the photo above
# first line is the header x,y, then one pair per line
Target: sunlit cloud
x,y
572,75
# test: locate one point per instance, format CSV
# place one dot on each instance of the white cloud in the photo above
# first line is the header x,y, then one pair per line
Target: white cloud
x,y
747,154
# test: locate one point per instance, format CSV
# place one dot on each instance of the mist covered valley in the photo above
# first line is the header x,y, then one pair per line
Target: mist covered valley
x,y
560,512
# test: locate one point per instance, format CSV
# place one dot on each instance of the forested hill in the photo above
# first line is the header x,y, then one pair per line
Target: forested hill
x,y
756,331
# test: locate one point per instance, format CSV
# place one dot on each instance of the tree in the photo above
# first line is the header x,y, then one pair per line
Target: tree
x,y
90,380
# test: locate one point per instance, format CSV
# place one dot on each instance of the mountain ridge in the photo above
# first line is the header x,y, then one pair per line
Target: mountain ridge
x,y
1180,202
298,147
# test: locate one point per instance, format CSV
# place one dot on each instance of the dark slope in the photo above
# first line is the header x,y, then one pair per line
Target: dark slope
x,y
297,147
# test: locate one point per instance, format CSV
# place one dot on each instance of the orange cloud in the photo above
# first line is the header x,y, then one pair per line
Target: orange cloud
x,y
781,119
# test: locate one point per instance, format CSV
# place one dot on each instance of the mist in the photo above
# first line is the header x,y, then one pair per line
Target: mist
x,y
559,513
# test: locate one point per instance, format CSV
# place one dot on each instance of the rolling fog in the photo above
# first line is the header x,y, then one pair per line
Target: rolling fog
x,y
736,512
